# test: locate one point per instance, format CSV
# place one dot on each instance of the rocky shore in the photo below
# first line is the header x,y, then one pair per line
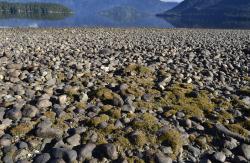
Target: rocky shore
x,y
124,95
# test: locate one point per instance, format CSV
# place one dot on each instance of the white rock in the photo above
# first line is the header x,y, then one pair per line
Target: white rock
x,y
84,97
62,99
246,100
189,80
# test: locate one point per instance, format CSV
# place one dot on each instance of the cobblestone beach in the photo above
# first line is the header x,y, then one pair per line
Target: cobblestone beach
x,y
124,95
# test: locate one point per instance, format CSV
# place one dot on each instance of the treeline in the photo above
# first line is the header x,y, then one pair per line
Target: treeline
x,y
33,10
33,7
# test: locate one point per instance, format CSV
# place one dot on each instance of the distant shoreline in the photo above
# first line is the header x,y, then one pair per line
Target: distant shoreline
x,y
117,28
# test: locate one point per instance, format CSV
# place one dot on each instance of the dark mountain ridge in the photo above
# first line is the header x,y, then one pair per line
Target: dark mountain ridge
x,y
227,8
209,14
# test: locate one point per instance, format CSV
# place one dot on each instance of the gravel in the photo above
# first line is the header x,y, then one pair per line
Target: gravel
x,y
124,95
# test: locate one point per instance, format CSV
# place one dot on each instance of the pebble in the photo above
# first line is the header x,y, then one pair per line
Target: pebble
x,y
128,108
5,142
49,78
118,124
67,155
62,99
146,97
163,83
29,111
1,77
197,126
167,150
195,151
219,156
246,100
189,80
22,145
44,103
188,123
86,151
227,152
84,97
42,158
161,158
240,159
14,114
118,101
48,132
74,140
110,151
5,123
232,144
245,149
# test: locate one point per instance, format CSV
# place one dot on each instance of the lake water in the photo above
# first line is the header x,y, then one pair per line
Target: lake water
x,y
88,13
110,13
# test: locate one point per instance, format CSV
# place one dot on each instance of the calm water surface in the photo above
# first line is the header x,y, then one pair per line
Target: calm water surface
x,y
91,13
111,13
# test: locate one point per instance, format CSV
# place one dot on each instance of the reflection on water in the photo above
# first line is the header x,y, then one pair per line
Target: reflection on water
x,y
37,11
108,13
209,22
123,14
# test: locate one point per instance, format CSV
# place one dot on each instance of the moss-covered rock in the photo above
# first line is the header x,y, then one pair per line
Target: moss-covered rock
x,y
146,105
109,97
99,119
101,138
60,123
134,90
81,105
238,128
22,129
60,77
246,124
115,113
135,160
106,108
139,69
174,139
139,138
178,98
244,91
50,115
123,143
147,122
105,94
246,78
71,91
